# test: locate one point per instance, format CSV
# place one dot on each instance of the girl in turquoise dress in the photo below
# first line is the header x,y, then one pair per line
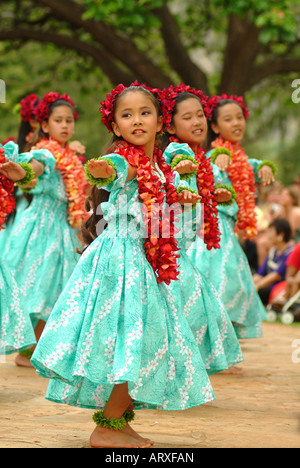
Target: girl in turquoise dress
x,y
227,267
27,127
16,331
186,127
116,336
42,246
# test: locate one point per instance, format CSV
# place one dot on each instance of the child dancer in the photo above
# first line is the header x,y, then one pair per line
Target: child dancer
x,y
15,327
29,124
116,336
228,267
27,128
42,245
184,118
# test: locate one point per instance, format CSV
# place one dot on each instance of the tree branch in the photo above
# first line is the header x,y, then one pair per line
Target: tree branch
x,y
100,57
279,65
241,51
178,56
119,46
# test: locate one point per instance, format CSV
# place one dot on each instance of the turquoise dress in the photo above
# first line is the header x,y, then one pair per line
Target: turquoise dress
x,y
12,153
228,269
41,247
114,323
16,331
203,307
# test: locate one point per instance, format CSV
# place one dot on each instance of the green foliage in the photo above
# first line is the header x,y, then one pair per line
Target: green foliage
x,y
124,14
45,68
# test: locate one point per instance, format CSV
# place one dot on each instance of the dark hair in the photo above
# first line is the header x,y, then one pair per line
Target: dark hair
x,y
24,130
214,119
165,138
282,226
89,230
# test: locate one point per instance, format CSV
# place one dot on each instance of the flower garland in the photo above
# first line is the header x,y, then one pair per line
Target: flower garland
x,y
160,246
242,178
41,112
7,201
205,183
74,178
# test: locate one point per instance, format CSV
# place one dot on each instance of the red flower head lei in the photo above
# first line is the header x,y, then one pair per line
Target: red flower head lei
x,y
27,107
168,96
42,110
7,201
214,101
160,245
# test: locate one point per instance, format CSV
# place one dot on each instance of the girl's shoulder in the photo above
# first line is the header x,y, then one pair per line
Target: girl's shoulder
x,y
11,150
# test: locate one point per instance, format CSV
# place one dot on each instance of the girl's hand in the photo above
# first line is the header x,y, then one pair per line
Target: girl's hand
x,y
223,162
223,195
187,197
77,146
100,169
12,171
31,185
266,175
185,167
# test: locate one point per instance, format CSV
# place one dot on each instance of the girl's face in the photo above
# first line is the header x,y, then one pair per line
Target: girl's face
x,y
189,123
231,124
60,125
33,124
136,120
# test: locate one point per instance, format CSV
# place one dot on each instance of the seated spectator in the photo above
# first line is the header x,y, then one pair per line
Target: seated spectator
x,y
290,204
292,277
273,269
267,211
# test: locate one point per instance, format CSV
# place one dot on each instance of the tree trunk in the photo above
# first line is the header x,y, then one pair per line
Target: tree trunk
x,y
241,52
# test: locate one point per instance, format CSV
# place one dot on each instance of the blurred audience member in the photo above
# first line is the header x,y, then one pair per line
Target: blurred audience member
x,y
291,211
273,269
268,210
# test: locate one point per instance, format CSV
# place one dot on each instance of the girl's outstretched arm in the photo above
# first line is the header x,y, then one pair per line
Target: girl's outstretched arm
x,y
12,171
185,167
100,169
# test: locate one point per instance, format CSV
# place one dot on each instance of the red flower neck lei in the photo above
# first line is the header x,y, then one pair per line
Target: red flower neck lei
x,y
7,201
243,181
160,246
74,178
206,188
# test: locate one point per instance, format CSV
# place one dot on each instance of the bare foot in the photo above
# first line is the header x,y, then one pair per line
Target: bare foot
x,y
23,361
107,438
130,431
234,370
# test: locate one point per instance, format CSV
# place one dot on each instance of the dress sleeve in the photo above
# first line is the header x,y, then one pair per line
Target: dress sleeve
x,y
118,181
178,150
42,155
11,151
